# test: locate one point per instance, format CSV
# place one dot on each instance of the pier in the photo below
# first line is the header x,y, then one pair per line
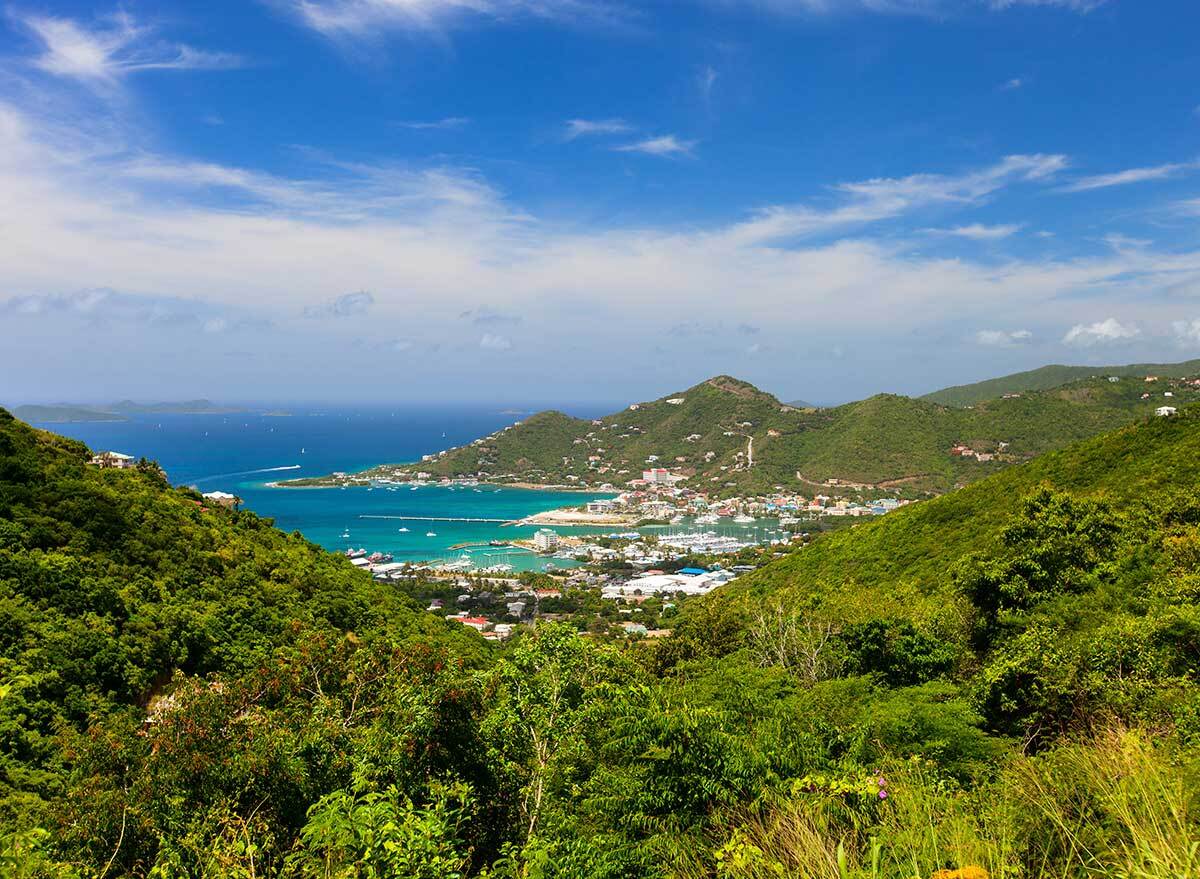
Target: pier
x,y
433,518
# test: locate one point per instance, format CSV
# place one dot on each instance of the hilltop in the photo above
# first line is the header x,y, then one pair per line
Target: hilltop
x,y
727,437
1053,376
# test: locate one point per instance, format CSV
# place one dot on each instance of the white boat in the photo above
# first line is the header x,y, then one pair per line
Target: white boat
x,y
708,519
677,520
743,519
403,530
431,534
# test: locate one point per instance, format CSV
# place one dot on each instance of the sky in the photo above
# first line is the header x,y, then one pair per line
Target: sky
x,y
583,200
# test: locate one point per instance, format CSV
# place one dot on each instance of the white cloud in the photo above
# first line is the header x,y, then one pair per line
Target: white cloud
x,y
447,123
1003,338
588,127
1131,175
1100,333
1013,84
495,342
706,79
1187,332
884,198
981,232
364,19
103,55
668,146
346,305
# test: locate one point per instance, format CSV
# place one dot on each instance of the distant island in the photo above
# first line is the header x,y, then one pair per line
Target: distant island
x,y
727,438
61,413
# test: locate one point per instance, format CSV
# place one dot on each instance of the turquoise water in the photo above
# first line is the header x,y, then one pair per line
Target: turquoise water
x,y
242,453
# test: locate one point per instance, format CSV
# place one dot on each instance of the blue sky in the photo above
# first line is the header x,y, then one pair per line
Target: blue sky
x,y
583,200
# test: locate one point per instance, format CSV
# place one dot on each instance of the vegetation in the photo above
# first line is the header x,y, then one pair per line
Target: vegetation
x,y
1003,681
1046,377
709,433
63,412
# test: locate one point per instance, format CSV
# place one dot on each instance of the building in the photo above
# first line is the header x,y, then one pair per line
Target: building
x,y
658,476
1165,411
603,506
223,499
113,459
545,540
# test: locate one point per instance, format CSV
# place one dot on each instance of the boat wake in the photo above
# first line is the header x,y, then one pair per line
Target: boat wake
x,y
249,472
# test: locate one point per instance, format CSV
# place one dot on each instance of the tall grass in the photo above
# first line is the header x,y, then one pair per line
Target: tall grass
x,y
1117,804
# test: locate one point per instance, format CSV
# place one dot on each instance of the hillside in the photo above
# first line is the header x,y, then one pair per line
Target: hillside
x,y
727,437
112,583
1003,680
1053,376
901,563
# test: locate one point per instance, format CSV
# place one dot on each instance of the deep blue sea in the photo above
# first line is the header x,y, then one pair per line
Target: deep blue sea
x,y
241,453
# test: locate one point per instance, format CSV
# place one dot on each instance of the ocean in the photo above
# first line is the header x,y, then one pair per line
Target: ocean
x,y
241,453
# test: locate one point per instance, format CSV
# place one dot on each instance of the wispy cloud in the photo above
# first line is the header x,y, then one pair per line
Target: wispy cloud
x,y
938,8
1100,333
486,315
445,124
590,127
103,54
981,232
705,80
1003,338
1013,84
1130,175
346,305
668,146
870,201
364,19
495,342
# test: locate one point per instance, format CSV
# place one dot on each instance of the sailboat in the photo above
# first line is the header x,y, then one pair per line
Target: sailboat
x,y
403,530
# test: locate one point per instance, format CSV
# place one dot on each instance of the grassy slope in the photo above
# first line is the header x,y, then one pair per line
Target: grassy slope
x,y
904,557
879,440
1052,376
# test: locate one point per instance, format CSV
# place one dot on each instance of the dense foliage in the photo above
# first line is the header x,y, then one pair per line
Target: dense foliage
x,y
1006,679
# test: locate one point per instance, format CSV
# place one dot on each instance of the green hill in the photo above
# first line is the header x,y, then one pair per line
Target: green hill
x,y
727,437
1053,376
112,584
1001,681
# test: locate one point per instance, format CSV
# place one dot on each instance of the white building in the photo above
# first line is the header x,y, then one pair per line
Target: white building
x,y
1165,411
545,540
113,459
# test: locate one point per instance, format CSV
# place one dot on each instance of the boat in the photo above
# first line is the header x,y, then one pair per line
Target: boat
x,y
355,553
708,519
346,534
431,534
743,519
677,520
403,530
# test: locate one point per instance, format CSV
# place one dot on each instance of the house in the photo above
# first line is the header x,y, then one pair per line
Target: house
x,y
115,460
1165,411
479,624
675,401
223,499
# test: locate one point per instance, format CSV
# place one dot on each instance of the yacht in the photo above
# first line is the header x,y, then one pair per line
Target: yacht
x,y
708,519
403,530
743,519
431,534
